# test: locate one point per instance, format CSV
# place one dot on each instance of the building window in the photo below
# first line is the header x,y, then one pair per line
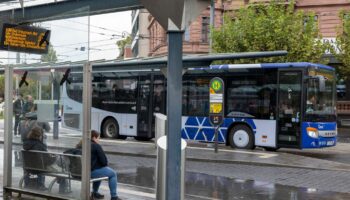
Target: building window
x,y
205,29
187,34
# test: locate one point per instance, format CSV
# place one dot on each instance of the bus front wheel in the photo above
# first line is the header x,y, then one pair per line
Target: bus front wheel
x,y
241,137
110,129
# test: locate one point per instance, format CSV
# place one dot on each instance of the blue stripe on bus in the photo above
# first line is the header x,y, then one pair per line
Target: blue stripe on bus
x,y
199,128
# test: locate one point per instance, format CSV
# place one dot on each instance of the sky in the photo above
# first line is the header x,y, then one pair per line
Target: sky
x,y
70,37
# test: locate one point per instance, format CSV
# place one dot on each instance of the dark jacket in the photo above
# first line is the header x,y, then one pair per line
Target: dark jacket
x,y
18,107
98,157
28,106
26,125
31,144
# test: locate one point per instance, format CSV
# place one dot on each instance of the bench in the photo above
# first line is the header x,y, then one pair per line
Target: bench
x,y
56,165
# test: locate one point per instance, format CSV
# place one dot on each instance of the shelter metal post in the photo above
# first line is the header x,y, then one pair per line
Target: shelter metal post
x,y
174,112
8,127
86,155
56,97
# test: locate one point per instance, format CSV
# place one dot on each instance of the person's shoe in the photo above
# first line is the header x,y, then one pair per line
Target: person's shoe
x,y
97,195
115,198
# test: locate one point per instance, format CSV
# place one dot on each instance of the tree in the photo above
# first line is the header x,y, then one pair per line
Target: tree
x,y
121,45
342,51
51,56
270,27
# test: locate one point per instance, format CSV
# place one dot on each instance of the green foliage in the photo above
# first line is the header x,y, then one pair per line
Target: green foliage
x,y
122,43
271,27
342,53
50,57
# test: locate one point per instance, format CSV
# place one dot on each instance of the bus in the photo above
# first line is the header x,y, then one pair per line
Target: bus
x,y
270,105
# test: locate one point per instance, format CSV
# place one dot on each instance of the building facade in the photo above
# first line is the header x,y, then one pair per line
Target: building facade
x,y
196,37
140,45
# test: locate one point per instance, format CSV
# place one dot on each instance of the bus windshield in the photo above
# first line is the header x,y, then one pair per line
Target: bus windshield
x,y
320,101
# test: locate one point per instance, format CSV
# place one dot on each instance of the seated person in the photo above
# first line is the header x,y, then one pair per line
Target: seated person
x,y
29,121
34,141
311,104
99,168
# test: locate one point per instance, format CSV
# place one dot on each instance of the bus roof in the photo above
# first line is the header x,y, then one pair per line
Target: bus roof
x,y
271,65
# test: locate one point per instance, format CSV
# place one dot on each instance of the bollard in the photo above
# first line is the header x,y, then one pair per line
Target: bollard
x,y
160,126
161,168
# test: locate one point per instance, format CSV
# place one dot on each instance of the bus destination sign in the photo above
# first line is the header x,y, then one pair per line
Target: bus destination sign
x,y
216,101
26,39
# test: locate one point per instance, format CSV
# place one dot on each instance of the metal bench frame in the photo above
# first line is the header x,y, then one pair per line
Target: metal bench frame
x,y
62,163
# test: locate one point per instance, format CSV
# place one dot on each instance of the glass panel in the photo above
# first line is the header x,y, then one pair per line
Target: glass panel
x,y
289,107
40,110
320,102
195,96
252,94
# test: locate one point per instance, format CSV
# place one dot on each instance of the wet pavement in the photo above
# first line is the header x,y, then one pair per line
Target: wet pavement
x,y
136,180
230,174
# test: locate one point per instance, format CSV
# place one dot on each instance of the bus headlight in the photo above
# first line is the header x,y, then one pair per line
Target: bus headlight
x,y
312,132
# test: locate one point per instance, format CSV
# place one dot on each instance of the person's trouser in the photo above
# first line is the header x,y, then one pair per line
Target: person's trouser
x,y
63,185
112,179
17,119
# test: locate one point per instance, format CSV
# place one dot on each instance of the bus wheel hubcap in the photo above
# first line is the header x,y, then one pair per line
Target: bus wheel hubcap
x,y
241,138
111,130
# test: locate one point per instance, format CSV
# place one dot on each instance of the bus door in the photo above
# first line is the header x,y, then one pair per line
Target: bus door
x,y
289,108
159,98
144,113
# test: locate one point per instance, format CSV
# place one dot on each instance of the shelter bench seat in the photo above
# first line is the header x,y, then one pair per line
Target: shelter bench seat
x,y
57,165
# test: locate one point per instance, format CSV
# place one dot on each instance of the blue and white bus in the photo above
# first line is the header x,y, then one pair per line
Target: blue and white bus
x,y
270,105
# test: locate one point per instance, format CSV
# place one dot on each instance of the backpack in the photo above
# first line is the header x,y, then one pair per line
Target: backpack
x,y
73,163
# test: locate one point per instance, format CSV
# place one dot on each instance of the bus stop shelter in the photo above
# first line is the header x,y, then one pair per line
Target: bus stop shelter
x,y
22,13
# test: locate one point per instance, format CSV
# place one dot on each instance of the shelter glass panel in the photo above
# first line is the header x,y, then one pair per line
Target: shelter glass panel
x,y
46,130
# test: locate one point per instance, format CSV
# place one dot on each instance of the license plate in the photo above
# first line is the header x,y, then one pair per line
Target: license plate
x,y
330,143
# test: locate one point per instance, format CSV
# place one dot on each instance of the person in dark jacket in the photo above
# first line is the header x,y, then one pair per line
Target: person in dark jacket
x,y
99,168
28,105
18,111
30,121
34,142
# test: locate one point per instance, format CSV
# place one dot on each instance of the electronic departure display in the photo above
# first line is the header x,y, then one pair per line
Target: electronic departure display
x,y
28,39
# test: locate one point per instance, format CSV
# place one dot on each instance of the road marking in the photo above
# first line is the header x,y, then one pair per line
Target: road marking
x,y
261,155
137,193
146,194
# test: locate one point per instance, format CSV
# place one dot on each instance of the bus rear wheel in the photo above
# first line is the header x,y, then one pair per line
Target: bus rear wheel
x,y
110,129
241,137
